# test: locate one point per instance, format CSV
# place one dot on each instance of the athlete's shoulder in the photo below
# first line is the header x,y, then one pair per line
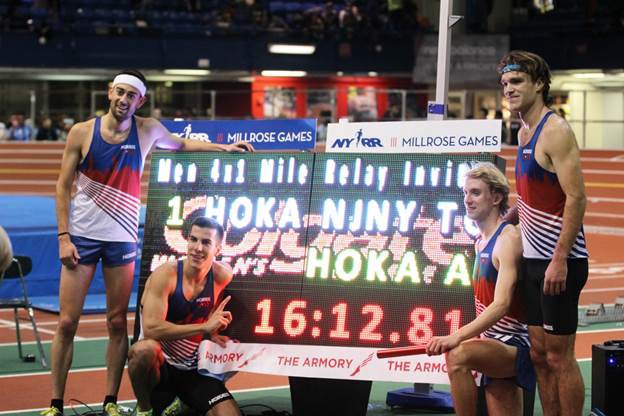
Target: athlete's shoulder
x,y
557,129
146,123
80,135
509,240
150,129
510,232
83,127
163,277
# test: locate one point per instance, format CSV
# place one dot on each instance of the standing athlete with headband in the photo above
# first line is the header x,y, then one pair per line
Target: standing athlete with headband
x,y
105,155
551,205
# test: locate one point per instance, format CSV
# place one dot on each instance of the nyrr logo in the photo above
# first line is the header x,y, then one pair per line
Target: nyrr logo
x,y
358,140
187,133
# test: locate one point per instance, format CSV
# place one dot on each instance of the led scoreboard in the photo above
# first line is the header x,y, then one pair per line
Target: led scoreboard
x,y
330,252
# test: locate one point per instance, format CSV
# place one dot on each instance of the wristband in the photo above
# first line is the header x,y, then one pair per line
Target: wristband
x,y
63,233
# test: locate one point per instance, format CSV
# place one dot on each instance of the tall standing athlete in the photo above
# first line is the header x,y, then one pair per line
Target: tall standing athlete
x,y
551,205
105,157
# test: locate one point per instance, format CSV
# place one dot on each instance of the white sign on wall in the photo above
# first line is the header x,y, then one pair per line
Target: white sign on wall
x,y
444,136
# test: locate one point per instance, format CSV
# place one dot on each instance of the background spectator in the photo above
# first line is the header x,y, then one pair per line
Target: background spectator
x,y
19,130
46,130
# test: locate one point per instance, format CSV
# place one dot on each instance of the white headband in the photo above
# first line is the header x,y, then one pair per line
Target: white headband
x,y
132,81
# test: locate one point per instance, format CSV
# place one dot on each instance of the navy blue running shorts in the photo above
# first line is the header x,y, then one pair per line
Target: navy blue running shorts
x,y
112,253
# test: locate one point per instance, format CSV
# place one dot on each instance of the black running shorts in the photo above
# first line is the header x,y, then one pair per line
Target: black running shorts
x,y
556,314
201,393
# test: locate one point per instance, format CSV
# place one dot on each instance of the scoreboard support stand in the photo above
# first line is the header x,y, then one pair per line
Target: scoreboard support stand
x,y
322,396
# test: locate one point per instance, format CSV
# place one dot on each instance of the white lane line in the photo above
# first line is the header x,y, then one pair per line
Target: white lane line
x,y
11,324
48,372
32,182
595,331
131,402
604,276
603,215
32,151
32,161
92,405
49,341
616,264
611,289
598,199
83,321
595,229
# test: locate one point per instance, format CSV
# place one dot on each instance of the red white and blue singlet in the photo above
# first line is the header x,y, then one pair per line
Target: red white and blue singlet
x,y
511,328
107,203
541,203
182,353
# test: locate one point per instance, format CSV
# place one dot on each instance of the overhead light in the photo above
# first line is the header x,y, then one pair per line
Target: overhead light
x,y
589,75
372,74
195,72
340,73
282,73
290,49
66,77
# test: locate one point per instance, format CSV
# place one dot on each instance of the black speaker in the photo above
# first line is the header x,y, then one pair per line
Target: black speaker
x,y
328,397
608,378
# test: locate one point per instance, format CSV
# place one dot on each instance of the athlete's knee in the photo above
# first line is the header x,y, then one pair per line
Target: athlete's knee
x,y
557,360
143,355
67,326
456,360
225,408
538,356
117,322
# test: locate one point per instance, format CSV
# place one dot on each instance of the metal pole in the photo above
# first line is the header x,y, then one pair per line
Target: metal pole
x,y
437,109
33,106
584,119
93,101
213,103
403,105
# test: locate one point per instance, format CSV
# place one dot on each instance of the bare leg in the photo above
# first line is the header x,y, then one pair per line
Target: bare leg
x,y
225,408
144,362
546,380
487,356
118,282
569,381
73,289
503,398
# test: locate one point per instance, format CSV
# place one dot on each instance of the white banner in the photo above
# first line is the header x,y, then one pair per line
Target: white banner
x,y
444,136
347,363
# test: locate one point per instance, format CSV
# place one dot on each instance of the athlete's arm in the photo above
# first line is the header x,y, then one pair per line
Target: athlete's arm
x,y
71,158
506,253
165,140
160,286
563,153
